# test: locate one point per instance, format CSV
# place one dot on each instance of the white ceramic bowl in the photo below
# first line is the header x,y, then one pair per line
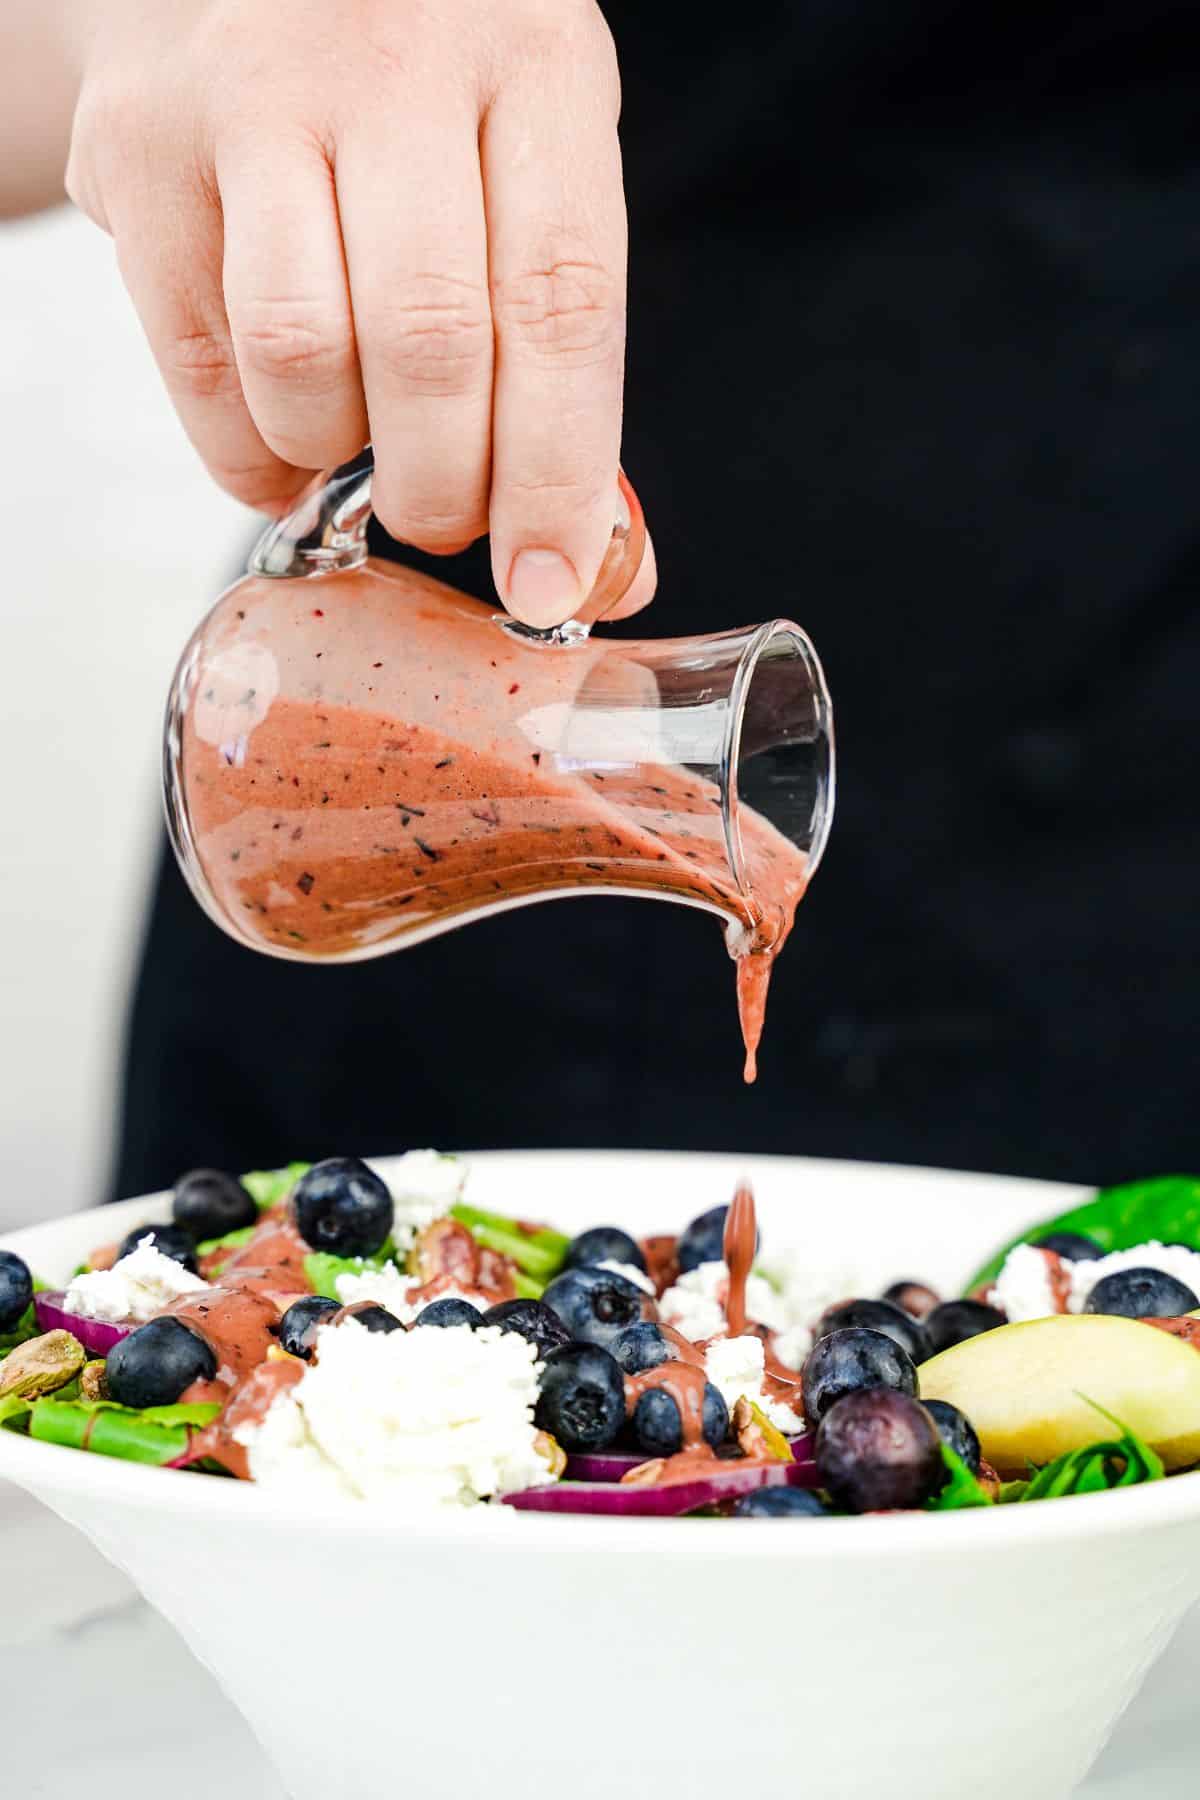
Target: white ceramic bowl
x,y
979,1655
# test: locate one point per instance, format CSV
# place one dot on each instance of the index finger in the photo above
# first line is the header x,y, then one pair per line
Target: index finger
x,y
556,251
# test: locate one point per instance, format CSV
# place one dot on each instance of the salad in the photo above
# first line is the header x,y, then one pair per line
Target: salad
x,y
317,1328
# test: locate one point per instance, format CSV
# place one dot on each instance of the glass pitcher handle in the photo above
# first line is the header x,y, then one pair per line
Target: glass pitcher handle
x,y
326,533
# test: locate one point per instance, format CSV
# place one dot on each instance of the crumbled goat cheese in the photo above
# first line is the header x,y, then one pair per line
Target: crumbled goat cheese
x,y
736,1367
789,1304
138,1287
424,1186
412,1419
638,1277
402,1294
695,1306
783,1417
1023,1288
694,1316
807,1288
793,1344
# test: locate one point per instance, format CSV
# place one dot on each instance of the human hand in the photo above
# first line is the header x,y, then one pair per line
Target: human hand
x,y
402,222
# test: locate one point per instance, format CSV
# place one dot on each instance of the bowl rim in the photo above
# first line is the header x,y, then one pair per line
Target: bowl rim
x,y
51,1471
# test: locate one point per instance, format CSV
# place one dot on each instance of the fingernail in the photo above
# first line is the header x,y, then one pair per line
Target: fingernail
x,y
543,588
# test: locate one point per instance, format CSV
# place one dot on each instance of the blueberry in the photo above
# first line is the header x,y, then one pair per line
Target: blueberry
x,y
373,1317
298,1326
876,1315
703,1241
658,1428
913,1297
604,1243
877,1451
845,1361
169,1240
342,1206
1072,1245
642,1346
956,1431
450,1310
16,1289
1142,1294
780,1503
594,1304
582,1399
534,1320
208,1203
155,1363
954,1321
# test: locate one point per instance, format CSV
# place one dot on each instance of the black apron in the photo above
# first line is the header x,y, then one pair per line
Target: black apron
x,y
915,359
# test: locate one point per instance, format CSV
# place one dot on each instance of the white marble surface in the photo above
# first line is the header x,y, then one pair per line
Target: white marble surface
x,y
89,1672
115,543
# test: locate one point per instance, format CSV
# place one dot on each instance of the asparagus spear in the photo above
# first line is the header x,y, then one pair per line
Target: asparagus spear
x,y
157,1435
267,1187
537,1253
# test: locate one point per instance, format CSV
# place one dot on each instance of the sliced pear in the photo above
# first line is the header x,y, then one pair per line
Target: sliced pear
x,y
1026,1388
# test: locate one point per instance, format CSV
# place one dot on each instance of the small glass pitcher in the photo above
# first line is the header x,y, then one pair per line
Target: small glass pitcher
x,y
357,757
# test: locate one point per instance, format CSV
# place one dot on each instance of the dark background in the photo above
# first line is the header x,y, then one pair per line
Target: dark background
x,y
914,358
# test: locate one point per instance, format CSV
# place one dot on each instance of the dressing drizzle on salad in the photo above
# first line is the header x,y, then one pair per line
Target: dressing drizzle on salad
x,y
903,1406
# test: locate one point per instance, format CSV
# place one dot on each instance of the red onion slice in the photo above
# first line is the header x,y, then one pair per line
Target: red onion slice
x,y
629,1500
96,1335
610,1465
603,1465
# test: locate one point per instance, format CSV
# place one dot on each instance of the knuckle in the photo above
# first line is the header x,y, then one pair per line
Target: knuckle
x,y
323,443
572,34
571,310
79,177
441,532
581,489
606,47
562,25
290,342
434,335
200,365
108,133
265,486
81,190
600,50
570,497
105,117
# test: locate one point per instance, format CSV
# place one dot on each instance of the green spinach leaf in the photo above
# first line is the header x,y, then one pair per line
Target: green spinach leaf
x,y
14,1411
25,1328
962,1490
1124,1461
